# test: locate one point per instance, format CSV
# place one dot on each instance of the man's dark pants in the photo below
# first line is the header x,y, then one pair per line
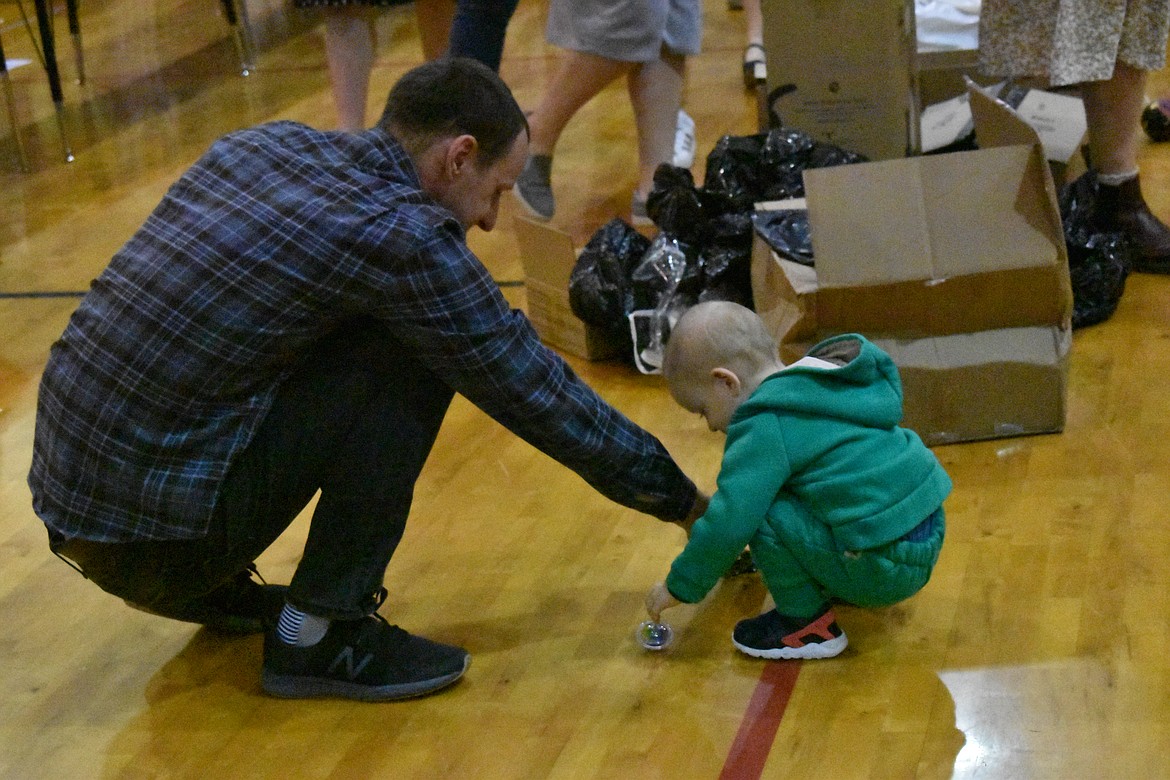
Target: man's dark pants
x,y
356,421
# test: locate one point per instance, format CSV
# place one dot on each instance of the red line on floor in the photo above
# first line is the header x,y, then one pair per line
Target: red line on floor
x,y
757,731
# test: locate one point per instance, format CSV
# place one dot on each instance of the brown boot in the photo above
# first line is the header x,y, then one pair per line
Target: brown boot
x,y
1122,208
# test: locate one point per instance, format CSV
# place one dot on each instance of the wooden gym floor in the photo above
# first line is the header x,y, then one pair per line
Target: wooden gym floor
x,y
1037,651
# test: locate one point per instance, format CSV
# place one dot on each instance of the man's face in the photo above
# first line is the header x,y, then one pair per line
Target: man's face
x,y
474,195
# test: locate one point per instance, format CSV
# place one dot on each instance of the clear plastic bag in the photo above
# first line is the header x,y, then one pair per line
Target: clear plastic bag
x,y
666,263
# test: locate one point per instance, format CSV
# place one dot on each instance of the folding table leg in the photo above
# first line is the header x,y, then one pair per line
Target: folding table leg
x,y
240,34
12,111
45,23
75,32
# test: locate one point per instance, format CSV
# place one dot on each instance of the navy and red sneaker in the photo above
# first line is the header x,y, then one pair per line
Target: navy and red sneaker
x,y
772,635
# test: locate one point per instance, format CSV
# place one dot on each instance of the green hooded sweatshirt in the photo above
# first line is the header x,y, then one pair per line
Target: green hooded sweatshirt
x,y
827,438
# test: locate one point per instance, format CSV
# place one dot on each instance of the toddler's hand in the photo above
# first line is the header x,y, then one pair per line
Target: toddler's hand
x,y
658,599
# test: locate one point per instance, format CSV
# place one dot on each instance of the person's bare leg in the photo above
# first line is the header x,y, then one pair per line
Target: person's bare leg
x,y
349,50
434,19
753,15
1113,109
755,66
579,77
656,94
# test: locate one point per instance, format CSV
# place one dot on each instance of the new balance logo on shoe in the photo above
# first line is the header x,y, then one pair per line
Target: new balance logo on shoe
x,y
346,657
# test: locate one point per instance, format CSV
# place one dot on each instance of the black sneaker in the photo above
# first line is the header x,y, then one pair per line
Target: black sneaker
x,y
367,660
240,606
772,635
244,606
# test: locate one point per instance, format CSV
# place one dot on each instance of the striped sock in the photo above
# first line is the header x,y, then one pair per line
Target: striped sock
x,y
300,628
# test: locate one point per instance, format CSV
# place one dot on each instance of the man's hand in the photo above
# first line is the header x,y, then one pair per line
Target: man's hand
x,y
698,509
658,599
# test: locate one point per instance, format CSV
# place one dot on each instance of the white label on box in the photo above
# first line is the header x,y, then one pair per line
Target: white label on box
x,y
1059,120
946,122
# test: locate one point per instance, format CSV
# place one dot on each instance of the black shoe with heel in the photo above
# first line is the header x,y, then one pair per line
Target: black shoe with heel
x,y
755,65
1121,208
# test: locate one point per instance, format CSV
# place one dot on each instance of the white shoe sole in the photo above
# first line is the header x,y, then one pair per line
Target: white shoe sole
x,y
818,650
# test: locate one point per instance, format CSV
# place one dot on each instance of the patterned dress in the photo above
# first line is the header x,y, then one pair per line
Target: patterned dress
x,y
1070,41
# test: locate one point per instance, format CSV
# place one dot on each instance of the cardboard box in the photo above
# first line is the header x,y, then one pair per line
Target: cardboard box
x,y
1059,120
548,257
942,74
953,263
851,70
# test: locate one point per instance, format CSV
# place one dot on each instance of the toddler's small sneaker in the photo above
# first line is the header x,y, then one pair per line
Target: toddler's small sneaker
x,y
534,188
772,635
365,660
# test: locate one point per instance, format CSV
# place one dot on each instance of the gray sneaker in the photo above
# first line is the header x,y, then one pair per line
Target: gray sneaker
x,y
534,187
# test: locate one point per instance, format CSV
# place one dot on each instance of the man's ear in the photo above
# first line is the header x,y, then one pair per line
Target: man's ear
x,y
727,378
461,152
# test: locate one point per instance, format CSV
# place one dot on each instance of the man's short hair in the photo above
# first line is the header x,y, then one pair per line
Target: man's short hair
x,y
454,96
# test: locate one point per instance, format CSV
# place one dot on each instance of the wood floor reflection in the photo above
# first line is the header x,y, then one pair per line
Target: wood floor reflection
x,y
1037,651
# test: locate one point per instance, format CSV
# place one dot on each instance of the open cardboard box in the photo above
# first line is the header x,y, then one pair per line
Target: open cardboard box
x,y
955,264
548,257
1058,119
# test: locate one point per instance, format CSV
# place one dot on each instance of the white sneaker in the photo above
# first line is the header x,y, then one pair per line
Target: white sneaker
x,y
684,141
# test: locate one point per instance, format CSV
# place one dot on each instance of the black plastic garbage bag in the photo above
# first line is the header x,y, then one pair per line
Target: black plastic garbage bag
x,y
674,204
600,292
734,283
734,171
788,153
1098,261
826,155
727,258
783,158
784,146
787,232
767,166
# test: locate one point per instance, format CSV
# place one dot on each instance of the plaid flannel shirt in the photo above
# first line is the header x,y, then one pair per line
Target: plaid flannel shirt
x,y
276,237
